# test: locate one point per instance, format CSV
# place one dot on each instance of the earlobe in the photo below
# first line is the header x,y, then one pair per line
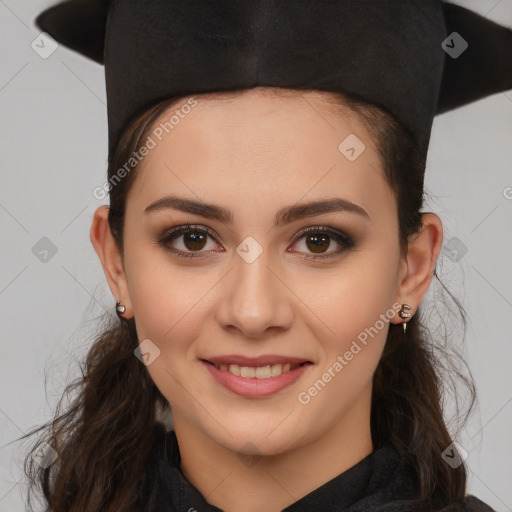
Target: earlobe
x,y
420,262
110,257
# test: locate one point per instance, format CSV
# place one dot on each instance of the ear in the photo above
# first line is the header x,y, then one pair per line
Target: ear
x,y
111,259
419,264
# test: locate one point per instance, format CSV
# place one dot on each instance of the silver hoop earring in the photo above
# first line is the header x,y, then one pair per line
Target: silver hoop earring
x,y
403,314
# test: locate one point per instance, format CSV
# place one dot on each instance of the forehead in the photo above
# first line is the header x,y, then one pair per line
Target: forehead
x,y
259,142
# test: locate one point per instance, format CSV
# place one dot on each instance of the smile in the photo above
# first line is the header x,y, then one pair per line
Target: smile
x,y
256,377
259,372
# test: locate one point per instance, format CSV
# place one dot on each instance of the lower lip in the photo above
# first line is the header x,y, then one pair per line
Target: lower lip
x,y
253,387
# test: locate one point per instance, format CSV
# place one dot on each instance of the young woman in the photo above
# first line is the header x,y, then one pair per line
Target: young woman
x,y
268,254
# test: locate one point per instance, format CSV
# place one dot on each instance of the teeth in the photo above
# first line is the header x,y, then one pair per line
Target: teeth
x,y
247,371
260,372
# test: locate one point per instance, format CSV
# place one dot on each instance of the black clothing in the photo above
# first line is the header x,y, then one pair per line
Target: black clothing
x,y
381,482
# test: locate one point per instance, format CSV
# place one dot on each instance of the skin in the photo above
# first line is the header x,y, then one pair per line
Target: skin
x,y
254,154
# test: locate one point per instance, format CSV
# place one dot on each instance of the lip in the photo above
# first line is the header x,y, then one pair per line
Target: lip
x,y
262,360
252,387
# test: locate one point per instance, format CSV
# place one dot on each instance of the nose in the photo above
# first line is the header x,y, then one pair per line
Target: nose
x,y
255,300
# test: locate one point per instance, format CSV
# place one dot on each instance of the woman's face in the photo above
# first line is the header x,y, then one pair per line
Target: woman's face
x,y
250,287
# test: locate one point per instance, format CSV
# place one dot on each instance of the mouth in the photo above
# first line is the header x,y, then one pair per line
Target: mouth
x,y
259,372
256,377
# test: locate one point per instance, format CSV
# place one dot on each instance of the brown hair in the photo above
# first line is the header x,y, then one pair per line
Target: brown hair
x,y
105,437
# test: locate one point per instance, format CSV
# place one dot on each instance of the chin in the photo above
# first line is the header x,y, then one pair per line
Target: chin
x,y
263,436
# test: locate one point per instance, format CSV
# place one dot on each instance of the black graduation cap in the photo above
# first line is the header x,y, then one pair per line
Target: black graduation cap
x,y
413,58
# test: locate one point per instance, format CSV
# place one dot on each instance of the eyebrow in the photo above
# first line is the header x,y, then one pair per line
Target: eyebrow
x,y
284,216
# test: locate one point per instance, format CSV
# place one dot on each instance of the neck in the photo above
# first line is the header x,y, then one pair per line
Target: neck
x,y
238,483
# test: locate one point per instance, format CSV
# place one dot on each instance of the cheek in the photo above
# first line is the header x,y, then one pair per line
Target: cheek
x,y
169,307
356,290
352,335
354,309
166,300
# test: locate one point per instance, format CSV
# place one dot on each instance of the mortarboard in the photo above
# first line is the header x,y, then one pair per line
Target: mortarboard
x,y
413,58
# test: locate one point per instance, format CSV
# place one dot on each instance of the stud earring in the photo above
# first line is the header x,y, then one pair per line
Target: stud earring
x,y
403,314
120,309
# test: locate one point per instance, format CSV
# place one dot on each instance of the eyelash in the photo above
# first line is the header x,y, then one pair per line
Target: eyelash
x,y
346,241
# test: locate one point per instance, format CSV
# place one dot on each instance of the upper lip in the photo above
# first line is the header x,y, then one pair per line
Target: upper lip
x,y
263,360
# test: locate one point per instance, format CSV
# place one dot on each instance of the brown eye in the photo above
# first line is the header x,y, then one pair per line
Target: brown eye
x,y
318,243
193,240
317,240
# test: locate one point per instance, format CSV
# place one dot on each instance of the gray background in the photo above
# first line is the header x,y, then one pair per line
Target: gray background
x,y
54,147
